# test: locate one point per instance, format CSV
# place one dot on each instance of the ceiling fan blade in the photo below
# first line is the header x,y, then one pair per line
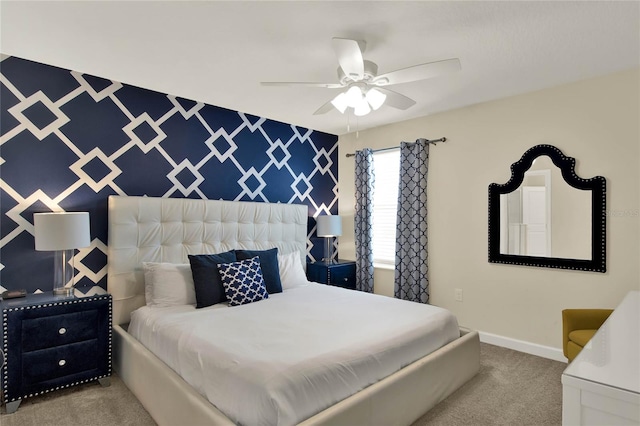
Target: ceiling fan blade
x,y
396,100
324,108
302,84
417,72
349,57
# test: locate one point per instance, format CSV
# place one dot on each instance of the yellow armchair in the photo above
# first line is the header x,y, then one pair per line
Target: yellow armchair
x,y
578,327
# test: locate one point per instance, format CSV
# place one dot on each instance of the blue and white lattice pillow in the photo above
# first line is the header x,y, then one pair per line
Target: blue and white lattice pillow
x,y
243,282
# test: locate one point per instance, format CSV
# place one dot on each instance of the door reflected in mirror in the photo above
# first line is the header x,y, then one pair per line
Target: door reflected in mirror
x,y
545,216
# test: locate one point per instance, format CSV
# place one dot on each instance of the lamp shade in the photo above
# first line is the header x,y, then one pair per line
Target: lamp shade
x,y
61,231
329,226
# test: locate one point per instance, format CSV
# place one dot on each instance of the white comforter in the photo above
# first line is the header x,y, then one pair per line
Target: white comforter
x,y
284,359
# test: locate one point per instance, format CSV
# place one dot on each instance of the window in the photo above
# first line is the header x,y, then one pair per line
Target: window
x,y
385,204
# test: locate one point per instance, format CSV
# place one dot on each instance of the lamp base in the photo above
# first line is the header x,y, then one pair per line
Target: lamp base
x,y
63,273
328,255
63,291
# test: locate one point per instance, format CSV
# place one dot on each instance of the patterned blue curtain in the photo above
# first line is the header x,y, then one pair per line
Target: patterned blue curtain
x,y
411,281
365,179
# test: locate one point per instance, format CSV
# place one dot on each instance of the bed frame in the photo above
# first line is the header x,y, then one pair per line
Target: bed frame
x,y
146,229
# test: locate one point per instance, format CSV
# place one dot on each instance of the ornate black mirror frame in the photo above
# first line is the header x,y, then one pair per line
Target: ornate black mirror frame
x,y
597,186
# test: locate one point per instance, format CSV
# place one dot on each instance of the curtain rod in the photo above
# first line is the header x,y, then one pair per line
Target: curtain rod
x,y
433,141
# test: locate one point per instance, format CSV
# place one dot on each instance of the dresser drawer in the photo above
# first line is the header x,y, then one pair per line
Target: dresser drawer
x,y
48,364
56,330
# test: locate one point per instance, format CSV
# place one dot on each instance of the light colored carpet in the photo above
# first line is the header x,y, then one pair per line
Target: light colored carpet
x,y
512,388
88,404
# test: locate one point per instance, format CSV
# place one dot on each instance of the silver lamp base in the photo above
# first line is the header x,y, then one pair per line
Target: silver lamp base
x,y
63,272
328,255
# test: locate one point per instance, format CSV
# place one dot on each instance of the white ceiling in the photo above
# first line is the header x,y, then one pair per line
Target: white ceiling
x,y
218,52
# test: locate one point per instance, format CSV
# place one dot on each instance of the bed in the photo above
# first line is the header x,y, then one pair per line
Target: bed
x,y
146,229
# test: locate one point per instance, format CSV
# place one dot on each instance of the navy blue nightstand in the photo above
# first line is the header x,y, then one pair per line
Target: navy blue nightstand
x,y
342,273
53,342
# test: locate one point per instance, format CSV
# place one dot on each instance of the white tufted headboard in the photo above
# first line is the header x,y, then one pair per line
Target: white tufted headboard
x,y
148,229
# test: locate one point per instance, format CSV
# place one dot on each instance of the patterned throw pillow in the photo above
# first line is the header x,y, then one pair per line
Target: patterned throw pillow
x,y
243,281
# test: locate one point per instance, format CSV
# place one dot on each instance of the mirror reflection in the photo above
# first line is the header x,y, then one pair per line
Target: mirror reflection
x,y
545,216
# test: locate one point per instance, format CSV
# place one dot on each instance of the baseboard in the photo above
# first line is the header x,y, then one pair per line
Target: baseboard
x,y
522,346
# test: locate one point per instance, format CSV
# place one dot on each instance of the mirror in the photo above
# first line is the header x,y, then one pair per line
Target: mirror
x,y
546,215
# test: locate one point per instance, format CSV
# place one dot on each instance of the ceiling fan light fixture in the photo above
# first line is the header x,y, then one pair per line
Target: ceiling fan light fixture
x,y
340,102
375,98
354,96
362,108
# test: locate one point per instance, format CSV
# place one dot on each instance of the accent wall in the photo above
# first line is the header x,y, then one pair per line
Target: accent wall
x,y
68,140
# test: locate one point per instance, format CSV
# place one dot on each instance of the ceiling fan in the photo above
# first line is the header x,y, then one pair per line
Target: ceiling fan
x,y
365,89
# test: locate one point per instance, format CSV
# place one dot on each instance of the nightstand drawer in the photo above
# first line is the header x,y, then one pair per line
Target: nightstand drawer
x,y
344,276
341,273
56,330
48,364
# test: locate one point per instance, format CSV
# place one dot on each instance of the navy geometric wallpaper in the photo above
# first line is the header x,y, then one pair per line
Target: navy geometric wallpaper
x,y
69,140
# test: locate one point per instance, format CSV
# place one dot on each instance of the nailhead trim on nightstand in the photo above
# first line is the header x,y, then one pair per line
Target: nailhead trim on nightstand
x,y
8,398
5,349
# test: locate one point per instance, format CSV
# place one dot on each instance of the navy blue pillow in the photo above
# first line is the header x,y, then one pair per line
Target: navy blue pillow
x,y
268,264
206,277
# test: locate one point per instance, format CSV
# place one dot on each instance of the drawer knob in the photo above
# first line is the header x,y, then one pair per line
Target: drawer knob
x,y
62,362
346,279
62,330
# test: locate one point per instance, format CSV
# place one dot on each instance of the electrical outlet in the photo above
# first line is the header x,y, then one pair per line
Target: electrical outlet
x,y
458,294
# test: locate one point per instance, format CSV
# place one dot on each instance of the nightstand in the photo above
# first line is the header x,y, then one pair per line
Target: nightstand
x,y
342,273
54,342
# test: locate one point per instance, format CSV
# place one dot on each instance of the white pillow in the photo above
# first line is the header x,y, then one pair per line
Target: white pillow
x,y
291,270
168,284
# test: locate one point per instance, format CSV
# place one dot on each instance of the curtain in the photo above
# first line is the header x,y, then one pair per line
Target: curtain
x,y
365,179
411,281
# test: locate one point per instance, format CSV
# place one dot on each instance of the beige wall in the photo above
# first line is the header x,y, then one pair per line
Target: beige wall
x,y
594,121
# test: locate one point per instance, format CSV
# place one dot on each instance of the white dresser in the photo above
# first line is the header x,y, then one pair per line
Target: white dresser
x,y
602,384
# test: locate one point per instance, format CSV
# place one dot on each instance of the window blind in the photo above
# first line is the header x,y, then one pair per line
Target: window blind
x,y
385,204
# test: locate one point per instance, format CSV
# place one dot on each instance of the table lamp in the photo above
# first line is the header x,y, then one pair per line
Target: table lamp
x,y
329,226
63,233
